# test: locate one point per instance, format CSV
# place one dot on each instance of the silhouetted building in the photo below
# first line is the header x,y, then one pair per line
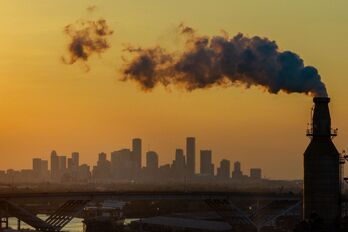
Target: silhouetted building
x,y
62,165
164,172
70,164
237,172
75,157
151,160
191,155
102,171
37,171
136,151
179,166
322,169
83,173
44,169
151,169
122,164
224,170
207,167
54,166
256,173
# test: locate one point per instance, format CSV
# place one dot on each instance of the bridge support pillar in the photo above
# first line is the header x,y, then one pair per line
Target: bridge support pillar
x,y
3,222
18,224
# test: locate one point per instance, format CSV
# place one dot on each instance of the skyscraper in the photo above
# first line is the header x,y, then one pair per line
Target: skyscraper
x,y
75,159
151,160
191,155
224,170
136,151
102,171
237,172
37,170
179,164
54,166
206,163
122,165
44,169
62,164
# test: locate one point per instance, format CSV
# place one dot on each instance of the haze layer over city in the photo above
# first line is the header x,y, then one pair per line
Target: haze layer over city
x,y
50,105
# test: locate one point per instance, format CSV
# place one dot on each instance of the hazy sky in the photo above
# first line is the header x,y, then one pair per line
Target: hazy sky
x,y
47,105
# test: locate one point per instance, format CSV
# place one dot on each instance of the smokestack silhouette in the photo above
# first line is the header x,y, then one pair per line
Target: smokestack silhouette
x,y
322,187
222,61
86,38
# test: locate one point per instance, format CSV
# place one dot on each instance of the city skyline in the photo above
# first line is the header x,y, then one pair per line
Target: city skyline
x,y
123,164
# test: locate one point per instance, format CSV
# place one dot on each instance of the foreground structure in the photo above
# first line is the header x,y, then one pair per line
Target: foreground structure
x,y
322,180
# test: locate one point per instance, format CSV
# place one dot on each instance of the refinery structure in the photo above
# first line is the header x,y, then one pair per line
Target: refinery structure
x,y
318,208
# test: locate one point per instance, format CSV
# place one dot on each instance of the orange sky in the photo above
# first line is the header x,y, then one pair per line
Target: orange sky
x,y
47,105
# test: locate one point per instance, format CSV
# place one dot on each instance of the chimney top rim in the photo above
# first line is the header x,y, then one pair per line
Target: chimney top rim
x,y
321,99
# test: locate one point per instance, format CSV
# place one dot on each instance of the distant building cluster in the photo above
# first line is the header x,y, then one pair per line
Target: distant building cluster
x,y
126,165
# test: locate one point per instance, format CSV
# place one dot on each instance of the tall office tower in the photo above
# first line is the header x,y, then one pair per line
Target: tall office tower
x,y
255,173
179,164
54,166
151,160
237,172
37,170
70,164
122,164
115,164
191,155
180,159
62,164
44,169
102,171
207,167
136,151
84,173
75,156
224,170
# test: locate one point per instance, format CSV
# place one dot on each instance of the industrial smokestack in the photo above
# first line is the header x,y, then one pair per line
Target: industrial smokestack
x,y
322,169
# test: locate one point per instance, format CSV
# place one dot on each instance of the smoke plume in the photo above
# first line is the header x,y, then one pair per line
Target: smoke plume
x,y
223,61
86,38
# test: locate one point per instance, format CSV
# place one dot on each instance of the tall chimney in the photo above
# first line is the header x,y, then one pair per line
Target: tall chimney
x,y
321,117
321,197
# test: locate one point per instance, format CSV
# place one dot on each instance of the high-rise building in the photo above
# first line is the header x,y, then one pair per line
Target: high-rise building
x,y
179,163
37,169
151,160
122,164
237,172
191,155
84,173
75,156
54,166
70,164
255,173
44,168
136,152
207,167
62,164
102,171
224,170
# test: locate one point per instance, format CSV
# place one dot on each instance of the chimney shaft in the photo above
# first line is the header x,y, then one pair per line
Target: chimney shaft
x,y
321,117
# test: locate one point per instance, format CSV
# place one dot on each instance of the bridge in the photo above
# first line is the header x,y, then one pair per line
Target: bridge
x,y
225,204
